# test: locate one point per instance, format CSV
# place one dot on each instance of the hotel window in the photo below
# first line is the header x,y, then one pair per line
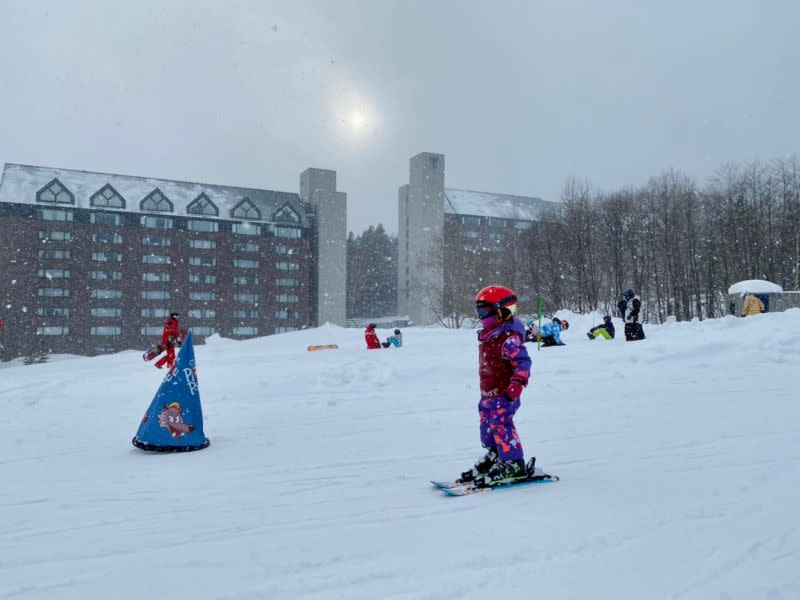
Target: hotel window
x,y
52,311
203,244
107,256
157,202
496,222
56,193
164,277
285,329
245,330
101,218
197,278
205,296
203,330
470,220
55,236
53,292
55,254
245,247
152,222
207,226
283,249
246,229
202,205
106,312
245,280
106,330
155,312
155,295
107,237
51,330
287,266
152,240
246,313
523,224
54,273
156,259
288,232
246,210
151,331
106,294
473,235
202,313
243,263
285,314
246,298
286,282
202,261
288,298
53,214
106,275
107,196
286,213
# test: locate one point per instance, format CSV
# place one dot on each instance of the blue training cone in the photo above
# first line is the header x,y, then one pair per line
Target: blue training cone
x,y
174,421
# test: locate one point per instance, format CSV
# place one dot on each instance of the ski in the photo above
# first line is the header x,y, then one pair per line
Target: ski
x,y
457,488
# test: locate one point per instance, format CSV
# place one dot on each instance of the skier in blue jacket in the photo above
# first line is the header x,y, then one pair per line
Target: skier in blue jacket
x,y
550,333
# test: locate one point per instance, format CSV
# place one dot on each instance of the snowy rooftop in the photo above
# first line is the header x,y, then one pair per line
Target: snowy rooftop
x,y
504,206
20,184
755,286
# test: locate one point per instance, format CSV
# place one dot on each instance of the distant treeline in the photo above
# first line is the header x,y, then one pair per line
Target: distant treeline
x,y
678,244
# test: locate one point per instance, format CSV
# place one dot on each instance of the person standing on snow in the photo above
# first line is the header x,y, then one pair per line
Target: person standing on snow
x,y
606,329
629,309
170,337
551,332
504,369
371,337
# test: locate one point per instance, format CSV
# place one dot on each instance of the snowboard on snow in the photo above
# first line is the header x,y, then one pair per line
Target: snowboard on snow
x,y
154,351
459,488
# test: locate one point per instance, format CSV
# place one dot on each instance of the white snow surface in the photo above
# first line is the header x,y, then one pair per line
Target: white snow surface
x,y
487,204
679,460
755,286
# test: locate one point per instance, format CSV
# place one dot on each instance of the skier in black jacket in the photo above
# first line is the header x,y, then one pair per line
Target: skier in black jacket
x,y
629,310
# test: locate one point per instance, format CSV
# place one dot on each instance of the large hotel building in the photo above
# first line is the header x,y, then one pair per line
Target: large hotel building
x,y
444,232
92,262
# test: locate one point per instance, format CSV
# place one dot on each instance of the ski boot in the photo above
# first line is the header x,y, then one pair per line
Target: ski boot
x,y
590,336
504,471
481,467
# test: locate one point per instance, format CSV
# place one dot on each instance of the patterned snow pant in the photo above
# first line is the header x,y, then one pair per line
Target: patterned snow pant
x,y
497,427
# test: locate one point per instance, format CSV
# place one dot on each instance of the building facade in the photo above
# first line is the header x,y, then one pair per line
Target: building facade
x,y
452,242
93,262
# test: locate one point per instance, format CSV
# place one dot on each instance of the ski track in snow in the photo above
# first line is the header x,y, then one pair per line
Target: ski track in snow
x,y
678,459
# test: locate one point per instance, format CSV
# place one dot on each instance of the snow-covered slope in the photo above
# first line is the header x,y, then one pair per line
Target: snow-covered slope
x,y
679,460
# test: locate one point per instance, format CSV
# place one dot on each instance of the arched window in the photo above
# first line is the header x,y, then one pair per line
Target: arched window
x,y
202,205
286,213
56,193
156,201
246,210
107,196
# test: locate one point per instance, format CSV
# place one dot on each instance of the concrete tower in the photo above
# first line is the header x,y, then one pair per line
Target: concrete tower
x,y
329,211
420,225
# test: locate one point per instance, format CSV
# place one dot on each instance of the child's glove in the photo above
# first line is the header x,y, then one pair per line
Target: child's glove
x,y
514,390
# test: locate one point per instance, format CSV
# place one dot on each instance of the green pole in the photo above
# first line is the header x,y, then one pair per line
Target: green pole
x,y
538,339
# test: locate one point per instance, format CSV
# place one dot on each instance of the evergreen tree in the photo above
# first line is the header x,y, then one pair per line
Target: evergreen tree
x,y
371,274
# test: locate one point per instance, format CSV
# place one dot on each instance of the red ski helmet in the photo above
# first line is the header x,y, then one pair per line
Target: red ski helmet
x,y
495,299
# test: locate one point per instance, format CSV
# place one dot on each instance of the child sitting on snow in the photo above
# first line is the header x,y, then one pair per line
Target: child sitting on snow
x,y
606,329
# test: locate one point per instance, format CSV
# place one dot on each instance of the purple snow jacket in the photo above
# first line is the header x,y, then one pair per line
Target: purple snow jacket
x,y
502,357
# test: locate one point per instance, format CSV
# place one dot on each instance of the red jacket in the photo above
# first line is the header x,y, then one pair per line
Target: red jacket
x,y
171,332
373,342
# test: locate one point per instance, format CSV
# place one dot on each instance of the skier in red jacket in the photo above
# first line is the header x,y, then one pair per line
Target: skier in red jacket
x,y
373,342
170,338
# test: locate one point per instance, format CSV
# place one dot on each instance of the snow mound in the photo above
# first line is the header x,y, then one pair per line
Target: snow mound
x,y
755,286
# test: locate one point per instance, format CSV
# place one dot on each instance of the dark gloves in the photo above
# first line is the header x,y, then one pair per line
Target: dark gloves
x,y
514,390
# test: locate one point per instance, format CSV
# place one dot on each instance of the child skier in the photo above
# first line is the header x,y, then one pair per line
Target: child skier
x,y
373,342
504,370
395,340
606,329
170,337
550,333
629,307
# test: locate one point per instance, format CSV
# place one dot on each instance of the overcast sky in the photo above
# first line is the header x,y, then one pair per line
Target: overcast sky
x,y
517,95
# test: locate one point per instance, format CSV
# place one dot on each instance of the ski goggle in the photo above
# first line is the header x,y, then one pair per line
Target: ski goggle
x,y
486,309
